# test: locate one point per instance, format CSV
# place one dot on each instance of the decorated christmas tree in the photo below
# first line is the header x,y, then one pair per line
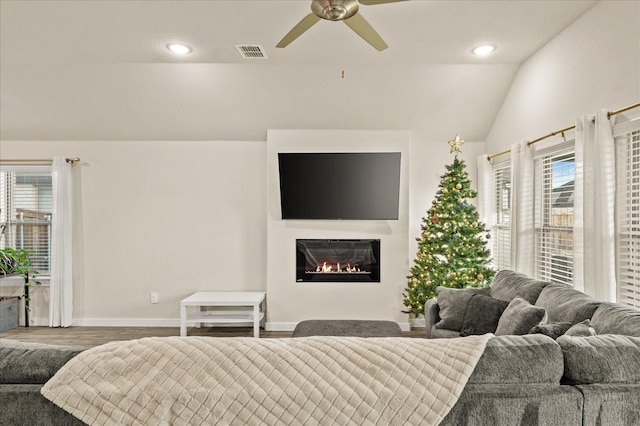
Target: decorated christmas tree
x,y
452,248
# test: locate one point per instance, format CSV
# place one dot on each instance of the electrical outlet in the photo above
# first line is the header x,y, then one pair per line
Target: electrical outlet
x,y
154,297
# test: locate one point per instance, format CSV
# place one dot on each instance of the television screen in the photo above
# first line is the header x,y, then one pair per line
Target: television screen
x,y
349,186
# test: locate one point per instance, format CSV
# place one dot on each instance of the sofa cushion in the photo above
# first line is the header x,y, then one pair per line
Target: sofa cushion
x,y
614,318
32,363
519,317
515,404
453,304
508,284
23,405
442,333
605,358
482,315
610,404
581,329
532,358
564,304
552,329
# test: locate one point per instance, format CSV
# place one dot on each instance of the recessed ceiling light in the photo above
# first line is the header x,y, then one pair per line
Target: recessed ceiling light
x,y
180,49
484,50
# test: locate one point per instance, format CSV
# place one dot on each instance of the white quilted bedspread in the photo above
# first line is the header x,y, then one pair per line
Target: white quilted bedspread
x,y
247,381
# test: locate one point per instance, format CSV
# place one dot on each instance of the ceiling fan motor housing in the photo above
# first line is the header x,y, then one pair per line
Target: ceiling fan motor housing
x,y
334,10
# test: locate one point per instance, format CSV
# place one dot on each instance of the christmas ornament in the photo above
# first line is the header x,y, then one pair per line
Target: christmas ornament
x,y
458,186
460,200
434,219
442,258
456,144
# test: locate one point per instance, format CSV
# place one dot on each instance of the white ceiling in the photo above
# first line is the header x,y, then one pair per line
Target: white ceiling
x,y
99,69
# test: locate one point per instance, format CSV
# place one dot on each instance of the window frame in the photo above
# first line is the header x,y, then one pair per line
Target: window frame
x,y
550,238
14,198
627,212
501,227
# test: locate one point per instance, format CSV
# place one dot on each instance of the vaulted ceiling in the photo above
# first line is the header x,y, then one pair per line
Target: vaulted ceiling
x,y
100,70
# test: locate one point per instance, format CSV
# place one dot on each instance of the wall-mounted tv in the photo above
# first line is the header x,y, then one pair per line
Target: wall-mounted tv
x,y
334,186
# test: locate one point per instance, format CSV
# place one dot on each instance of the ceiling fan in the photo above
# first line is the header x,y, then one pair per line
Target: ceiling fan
x,y
339,10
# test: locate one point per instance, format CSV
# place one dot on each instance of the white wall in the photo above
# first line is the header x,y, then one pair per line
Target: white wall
x,y
209,101
289,301
179,217
172,217
594,63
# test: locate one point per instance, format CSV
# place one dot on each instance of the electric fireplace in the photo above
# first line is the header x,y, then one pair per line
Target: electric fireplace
x,y
338,260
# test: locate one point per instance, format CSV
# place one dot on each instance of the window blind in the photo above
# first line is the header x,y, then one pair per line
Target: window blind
x,y
553,215
501,236
25,212
628,217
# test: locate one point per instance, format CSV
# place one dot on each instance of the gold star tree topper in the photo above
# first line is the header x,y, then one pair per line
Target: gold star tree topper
x,y
456,144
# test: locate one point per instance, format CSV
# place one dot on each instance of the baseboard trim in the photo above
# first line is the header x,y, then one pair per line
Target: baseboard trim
x,y
126,322
36,322
280,326
168,322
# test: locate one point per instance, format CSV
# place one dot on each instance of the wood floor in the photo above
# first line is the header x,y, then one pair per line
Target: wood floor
x,y
94,336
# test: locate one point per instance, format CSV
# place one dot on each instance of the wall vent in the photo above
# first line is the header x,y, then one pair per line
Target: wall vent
x,y
251,51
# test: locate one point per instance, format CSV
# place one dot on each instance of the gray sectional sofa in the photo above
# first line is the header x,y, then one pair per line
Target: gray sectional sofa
x,y
24,368
529,379
590,377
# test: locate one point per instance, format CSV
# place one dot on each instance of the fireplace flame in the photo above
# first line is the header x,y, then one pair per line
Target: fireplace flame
x,y
326,268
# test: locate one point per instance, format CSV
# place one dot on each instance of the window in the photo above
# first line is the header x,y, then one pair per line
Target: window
x,y
500,232
628,218
553,216
25,212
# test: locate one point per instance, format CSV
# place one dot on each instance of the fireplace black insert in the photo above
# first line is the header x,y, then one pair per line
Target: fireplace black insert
x,y
338,260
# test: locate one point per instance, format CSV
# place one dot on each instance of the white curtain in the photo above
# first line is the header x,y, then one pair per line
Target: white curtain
x,y
485,177
594,214
61,286
522,224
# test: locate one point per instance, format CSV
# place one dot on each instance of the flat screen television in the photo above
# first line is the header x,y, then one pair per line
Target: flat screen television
x,y
340,186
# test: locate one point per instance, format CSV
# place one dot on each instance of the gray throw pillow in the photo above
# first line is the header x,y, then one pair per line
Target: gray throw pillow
x,y
453,304
482,315
615,318
581,329
552,329
507,285
566,304
519,317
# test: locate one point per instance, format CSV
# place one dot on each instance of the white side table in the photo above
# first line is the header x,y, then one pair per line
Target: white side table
x,y
218,298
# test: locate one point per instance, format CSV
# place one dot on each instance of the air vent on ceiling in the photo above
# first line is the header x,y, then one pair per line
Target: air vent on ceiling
x,y
251,51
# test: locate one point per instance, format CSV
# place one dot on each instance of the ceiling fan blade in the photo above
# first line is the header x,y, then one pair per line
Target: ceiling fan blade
x,y
302,26
360,25
374,2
